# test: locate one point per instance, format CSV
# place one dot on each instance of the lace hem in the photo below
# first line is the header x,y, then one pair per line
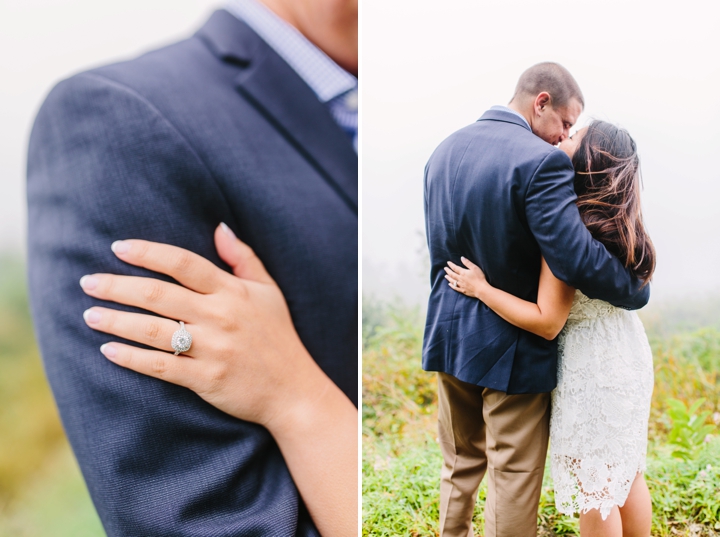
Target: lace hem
x,y
585,484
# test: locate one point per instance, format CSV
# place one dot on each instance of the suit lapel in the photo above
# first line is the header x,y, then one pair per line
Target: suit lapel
x,y
277,92
270,85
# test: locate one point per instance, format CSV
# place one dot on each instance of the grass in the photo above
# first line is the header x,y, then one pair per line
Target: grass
x,y
53,501
401,457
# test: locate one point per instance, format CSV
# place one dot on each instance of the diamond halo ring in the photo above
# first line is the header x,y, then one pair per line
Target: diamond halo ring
x,y
181,340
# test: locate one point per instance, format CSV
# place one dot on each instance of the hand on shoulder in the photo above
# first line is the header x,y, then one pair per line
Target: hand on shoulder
x,y
246,357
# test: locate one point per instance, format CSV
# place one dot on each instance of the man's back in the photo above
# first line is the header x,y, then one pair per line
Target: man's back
x,y
476,183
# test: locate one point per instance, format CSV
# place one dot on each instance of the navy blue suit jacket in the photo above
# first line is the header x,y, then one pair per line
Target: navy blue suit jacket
x,y
502,197
164,147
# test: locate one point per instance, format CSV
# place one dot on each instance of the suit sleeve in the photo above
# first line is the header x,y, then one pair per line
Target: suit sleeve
x,y
568,247
104,164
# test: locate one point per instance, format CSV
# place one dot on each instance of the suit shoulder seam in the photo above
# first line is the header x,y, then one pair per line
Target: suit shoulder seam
x,y
156,111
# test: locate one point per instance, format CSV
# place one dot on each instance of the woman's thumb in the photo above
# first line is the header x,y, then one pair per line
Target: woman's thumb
x,y
241,258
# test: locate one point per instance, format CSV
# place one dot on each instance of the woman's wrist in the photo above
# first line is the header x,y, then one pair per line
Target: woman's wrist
x,y
318,437
480,291
303,399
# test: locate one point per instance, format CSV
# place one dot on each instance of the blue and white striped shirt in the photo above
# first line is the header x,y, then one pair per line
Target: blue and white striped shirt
x,y
334,86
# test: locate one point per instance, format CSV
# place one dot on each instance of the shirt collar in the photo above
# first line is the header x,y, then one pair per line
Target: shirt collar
x,y
326,78
508,109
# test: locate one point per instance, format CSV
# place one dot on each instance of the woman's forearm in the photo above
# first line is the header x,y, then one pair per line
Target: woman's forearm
x,y
521,313
318,437
544,318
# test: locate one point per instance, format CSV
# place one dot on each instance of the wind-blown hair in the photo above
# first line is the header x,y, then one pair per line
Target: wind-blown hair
x,y
607,183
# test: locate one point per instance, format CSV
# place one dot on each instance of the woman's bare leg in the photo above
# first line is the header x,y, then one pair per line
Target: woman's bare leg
x,y
592,524
633,519
636,514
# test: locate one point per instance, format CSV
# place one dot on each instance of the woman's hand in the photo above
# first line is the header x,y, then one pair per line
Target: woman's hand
x,y
468,281
246,357
544,318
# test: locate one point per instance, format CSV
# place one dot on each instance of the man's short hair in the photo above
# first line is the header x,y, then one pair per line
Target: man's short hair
x,y
552,78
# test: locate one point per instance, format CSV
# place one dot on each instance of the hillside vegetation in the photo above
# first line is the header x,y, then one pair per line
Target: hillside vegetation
x,y
401,457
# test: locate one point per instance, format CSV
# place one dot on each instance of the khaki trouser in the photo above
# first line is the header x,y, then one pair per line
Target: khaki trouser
x,y
507,436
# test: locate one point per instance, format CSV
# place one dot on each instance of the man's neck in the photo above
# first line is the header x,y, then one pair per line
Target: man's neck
x,y
522,111
282,10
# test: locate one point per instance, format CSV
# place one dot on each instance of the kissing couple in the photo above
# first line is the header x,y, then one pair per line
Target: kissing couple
x,y
539,256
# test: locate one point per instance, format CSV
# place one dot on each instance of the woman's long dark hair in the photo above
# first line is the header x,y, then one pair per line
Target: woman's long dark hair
x,y
607,182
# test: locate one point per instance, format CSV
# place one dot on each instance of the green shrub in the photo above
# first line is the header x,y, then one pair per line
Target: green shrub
x,y
399,398
690,431
686,369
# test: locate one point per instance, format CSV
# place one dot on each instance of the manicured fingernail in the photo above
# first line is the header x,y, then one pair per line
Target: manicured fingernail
x,y
120,247
88,282
109,350
227,230
92,316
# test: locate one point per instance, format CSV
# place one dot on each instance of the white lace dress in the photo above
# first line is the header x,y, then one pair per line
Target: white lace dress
x,y
600,408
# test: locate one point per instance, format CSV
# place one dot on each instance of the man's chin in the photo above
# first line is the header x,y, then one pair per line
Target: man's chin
x,y
549,139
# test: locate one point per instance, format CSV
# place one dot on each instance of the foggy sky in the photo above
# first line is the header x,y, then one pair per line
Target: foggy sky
x,y
429,68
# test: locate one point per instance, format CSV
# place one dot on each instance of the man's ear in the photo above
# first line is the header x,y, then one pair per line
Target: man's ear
x,y
542,101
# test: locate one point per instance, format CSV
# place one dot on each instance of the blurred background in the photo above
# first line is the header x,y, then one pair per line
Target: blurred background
x,y
41,490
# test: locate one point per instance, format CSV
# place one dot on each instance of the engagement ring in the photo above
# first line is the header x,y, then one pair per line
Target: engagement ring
x,y
181,340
